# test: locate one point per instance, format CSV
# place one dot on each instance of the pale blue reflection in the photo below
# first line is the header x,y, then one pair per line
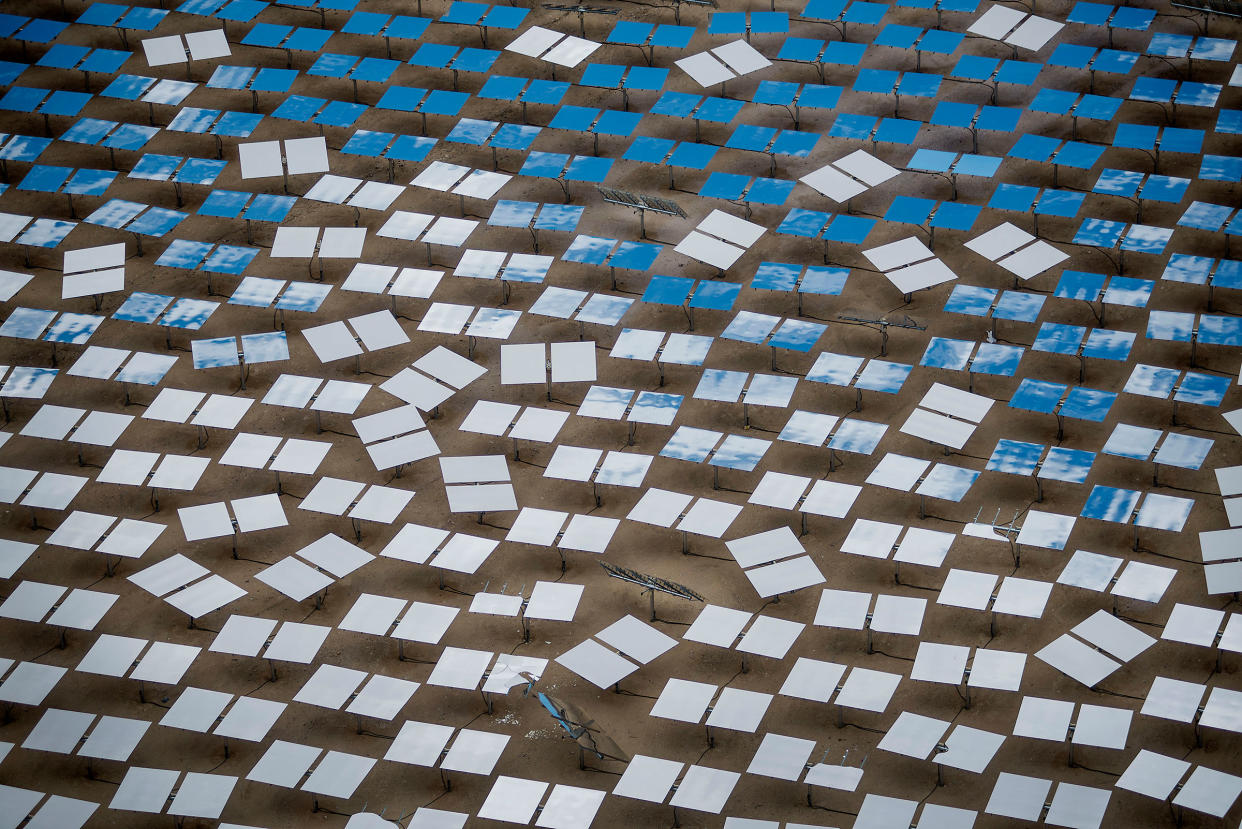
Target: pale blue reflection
x,y
690,444
1108,503
303,296
1071,465
721,385
73,328
28,382
221,351
858,436
950,483
880,375
835,369
655,407
749,327
1014,457
738,452
270,347
27,323
189,314
1129,441
558,302
604,309
945,353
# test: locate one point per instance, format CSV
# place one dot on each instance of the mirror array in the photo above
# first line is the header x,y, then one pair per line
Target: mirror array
x,y
802,417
